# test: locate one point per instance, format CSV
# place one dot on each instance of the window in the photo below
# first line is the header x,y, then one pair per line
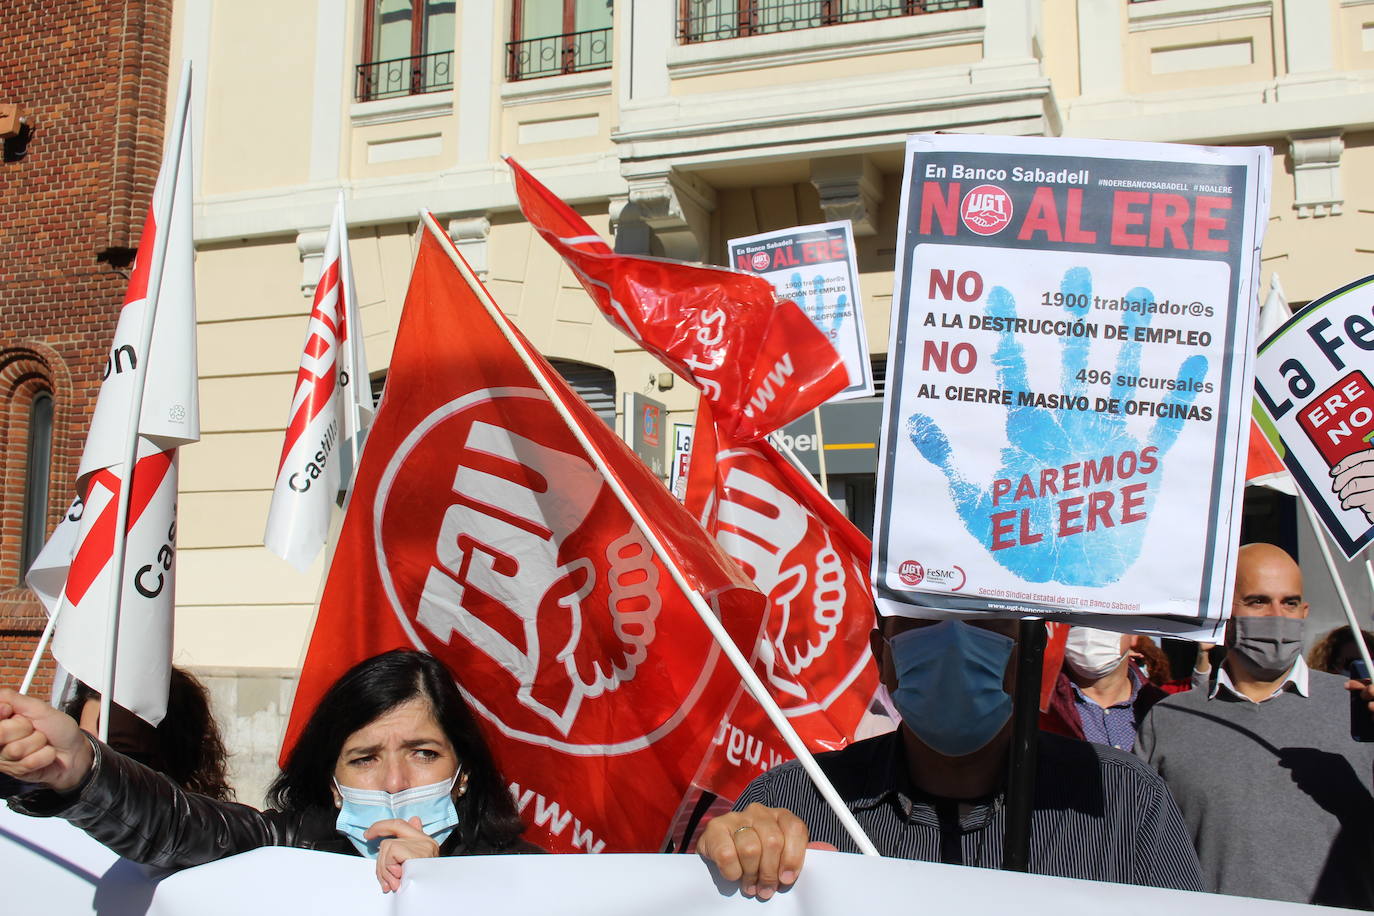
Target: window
x,y
36,472
558,36
714,20
593,384
407,48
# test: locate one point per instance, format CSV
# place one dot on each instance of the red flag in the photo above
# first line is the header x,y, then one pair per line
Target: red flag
x,y
481,530
1056,636
759,361
812,563
1261,460
1263,465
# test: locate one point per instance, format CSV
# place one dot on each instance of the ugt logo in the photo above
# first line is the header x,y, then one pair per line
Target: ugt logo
x,y
521,594
986,209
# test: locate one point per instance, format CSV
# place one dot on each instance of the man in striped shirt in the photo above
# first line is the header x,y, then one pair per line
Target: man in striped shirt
x,y
935,789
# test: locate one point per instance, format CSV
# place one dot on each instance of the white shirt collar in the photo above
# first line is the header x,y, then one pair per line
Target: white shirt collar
x,y
1297,677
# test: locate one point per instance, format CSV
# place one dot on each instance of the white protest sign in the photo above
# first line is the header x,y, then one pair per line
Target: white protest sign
x,y
1069,379
1313,382
815,267
682,456
54,868
296,881
49,866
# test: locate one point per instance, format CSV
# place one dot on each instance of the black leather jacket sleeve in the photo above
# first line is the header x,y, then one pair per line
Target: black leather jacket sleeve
x,y
145,817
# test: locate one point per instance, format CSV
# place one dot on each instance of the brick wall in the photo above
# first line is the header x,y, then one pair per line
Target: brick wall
x,y
92,76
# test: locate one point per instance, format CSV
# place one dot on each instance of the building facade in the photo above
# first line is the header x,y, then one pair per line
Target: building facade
x,y
87,80
673,127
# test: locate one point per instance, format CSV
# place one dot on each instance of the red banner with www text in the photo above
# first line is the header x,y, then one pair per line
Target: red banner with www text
x,y
481,530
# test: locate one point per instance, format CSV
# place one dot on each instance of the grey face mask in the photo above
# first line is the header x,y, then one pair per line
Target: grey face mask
x,y
1269,645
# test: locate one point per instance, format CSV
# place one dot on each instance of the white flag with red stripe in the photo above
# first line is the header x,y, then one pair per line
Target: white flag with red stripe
x,y
168,416
47,575
330,411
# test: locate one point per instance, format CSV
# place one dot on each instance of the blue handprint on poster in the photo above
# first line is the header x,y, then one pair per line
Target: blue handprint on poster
x,y
1051,425
1075,486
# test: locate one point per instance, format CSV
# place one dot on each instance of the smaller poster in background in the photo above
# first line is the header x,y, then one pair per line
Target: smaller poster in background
x,y
682,455
1320,403
644,418
815,267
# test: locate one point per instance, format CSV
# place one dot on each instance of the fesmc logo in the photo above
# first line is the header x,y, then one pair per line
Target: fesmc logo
x,y
793,561
986,209
482,550
913,573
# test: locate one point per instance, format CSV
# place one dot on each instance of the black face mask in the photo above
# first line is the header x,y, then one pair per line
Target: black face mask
x,y
1269,645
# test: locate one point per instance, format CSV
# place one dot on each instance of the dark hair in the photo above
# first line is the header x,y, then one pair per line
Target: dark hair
x,y
1158,669
185,746
369,690
1324,652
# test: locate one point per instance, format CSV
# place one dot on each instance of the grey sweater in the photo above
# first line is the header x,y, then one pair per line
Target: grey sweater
x,y
1276,795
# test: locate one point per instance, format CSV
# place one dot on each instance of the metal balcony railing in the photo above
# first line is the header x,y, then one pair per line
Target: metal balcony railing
x,y
717,20
387,79
573,52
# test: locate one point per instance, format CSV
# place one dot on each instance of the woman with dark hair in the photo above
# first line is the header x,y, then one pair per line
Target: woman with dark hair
x,y
185,746
390,765
1334,652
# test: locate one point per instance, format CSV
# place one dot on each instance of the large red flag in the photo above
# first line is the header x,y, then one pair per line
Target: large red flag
x,y
812,563
758,360
481,529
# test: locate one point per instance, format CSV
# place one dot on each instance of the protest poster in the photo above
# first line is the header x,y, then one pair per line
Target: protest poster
x,y
284,880
1069,379
1312,383
682,455
815,267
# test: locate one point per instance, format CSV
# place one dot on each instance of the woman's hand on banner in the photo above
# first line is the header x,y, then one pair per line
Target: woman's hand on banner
x,y
760,847
405,840
40,744
1075,487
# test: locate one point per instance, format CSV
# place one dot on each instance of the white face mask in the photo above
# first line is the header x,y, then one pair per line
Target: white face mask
x,y
1093,654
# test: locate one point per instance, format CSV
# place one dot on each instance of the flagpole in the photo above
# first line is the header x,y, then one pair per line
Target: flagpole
x,y
1355,629
820,451
42,645
350,311
711,621
159,255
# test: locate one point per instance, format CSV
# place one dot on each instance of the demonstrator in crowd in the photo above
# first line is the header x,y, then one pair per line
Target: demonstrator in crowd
x,y
390,765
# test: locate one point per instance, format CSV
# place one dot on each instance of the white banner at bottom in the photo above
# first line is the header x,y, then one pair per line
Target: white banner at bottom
x,y
53,868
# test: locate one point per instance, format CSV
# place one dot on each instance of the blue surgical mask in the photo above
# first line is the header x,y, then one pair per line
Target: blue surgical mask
x,y
359,809
949,684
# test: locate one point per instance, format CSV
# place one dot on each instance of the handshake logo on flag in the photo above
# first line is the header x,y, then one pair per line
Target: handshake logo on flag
x,y
761,527
564,619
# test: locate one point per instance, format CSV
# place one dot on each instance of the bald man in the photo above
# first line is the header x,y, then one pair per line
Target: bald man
x,y
1276,794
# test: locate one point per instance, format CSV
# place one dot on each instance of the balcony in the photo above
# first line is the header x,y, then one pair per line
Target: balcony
x,y
574,52
389,79
717,20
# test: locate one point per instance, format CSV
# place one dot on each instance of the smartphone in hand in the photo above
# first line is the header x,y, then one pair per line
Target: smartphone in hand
x,y
1361,719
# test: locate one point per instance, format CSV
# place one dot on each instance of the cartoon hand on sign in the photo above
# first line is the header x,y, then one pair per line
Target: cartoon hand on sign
x,y
1071,500
1352,479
